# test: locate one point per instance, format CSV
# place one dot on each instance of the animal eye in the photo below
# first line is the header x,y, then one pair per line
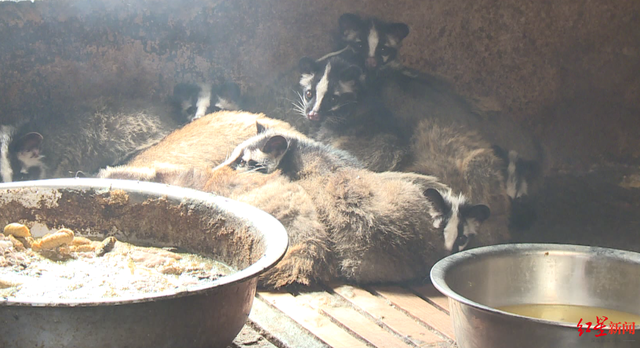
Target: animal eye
x,y
334,99
384,50
359,45
462,240
308,94
242,162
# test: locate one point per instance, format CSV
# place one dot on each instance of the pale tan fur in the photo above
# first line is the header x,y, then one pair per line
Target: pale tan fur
x,y
207,141
465,162
307,259
380,226
350,224
368,227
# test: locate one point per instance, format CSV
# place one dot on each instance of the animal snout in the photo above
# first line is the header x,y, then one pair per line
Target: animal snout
x,y
371,62
313,116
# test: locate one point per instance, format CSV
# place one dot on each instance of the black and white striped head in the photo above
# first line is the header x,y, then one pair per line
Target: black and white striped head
x,y
261,153
518,172
330,89
20,157
193,101
375,43
458,219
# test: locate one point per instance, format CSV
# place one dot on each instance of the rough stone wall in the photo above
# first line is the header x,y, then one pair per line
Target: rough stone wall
x,y
568,69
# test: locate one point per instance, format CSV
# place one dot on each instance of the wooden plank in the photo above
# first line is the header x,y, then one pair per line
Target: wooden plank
x,y
432,294
364,327
417,307
312,320
279,328
249,338
394,319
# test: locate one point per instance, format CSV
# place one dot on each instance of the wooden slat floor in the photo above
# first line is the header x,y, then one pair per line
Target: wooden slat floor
x,y
347,316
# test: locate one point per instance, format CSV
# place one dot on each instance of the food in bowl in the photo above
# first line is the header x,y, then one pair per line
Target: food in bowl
x,y
62,266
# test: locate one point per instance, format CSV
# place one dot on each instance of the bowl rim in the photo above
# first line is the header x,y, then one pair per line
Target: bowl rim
x,y
439,270
275,245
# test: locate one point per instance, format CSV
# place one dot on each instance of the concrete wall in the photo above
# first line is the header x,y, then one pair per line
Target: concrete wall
x,y
568,69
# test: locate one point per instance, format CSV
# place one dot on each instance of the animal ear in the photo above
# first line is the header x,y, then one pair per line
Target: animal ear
x,y
351,73
479,212
349,22
30,142
277,145
260,128
399,30
307,65
437,202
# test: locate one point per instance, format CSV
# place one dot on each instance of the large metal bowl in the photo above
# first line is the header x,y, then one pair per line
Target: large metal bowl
x,y
242,236
479,280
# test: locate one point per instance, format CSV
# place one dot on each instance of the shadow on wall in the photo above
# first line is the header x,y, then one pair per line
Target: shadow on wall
x,y
595,128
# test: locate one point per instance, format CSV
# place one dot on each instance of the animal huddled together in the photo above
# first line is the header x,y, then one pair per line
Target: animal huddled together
x,y
391,175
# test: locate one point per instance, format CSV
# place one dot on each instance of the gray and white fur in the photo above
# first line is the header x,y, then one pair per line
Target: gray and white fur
x,y
20,155
101,133
193,101
344,222
520,174
386,229
316,166
296,156
464,161
371,43
347,117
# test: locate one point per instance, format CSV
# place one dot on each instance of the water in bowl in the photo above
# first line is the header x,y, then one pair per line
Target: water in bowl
x,y
571,313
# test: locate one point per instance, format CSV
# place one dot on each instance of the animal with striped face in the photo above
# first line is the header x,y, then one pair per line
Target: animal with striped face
x,y
345,192
330,90
20,157
520,174
347,116
192,101
372,43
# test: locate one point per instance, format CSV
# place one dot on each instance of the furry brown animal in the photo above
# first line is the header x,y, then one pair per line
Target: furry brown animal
x,y
382,229
308,161
205,142
100,133
20,157
349,223
295,155
414,96
347,117
367,229
344,222
465,162
307,260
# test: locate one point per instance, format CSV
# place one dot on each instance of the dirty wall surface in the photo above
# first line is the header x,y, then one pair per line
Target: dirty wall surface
x,y
569,69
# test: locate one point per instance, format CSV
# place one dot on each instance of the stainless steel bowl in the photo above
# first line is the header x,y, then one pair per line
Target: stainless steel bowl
x,y
479,280
242,236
